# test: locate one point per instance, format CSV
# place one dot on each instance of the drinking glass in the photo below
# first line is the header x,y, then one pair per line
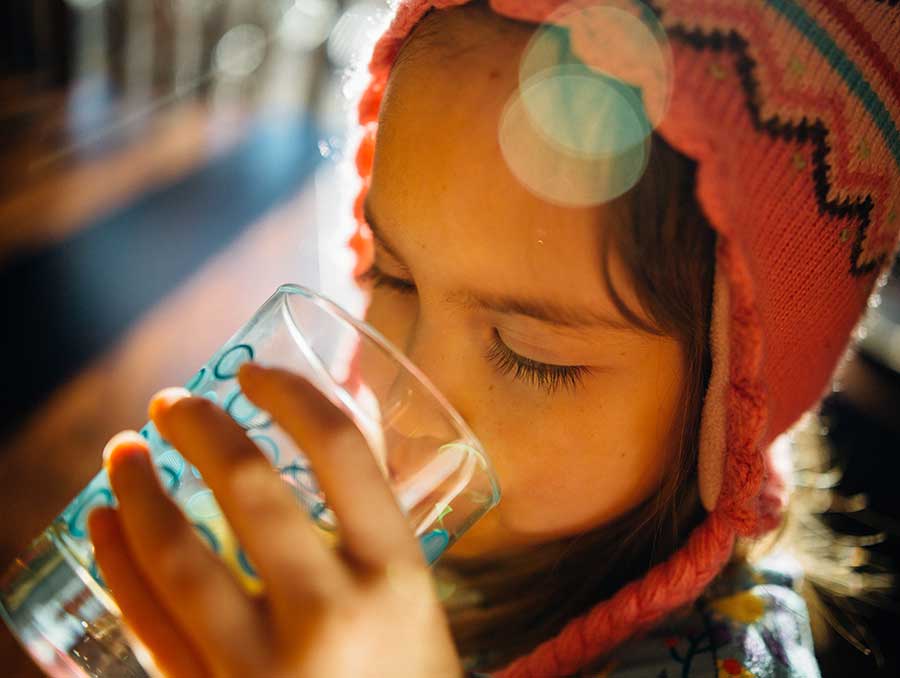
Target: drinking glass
x,y
54,598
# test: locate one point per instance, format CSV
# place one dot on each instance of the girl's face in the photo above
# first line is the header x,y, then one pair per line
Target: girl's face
x,y
499,297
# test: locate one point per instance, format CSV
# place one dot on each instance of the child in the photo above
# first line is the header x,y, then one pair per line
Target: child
x,y
627,325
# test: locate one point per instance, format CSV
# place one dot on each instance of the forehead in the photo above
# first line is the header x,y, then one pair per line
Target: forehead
x,y
440,182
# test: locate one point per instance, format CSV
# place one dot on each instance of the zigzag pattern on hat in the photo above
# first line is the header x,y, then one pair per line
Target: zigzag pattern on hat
x,y
852,119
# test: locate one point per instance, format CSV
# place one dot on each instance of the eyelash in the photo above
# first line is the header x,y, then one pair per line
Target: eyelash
x,y
375,275
549,378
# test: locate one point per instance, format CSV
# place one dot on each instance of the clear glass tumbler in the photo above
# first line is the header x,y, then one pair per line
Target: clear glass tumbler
x,y
53,597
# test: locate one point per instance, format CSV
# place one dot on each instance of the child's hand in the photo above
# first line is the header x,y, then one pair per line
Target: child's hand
x,y
366,609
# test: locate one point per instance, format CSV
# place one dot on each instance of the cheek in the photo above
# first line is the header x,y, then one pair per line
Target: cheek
x,y
564,485
567,470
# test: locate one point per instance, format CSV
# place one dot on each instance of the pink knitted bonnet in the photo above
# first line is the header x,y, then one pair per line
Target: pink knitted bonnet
x,y
791,108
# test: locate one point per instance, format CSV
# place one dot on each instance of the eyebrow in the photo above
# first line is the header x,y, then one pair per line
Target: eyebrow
x,y
563,315
575,317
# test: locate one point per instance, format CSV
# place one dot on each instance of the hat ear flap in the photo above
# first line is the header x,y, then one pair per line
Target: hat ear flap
x,y
713,422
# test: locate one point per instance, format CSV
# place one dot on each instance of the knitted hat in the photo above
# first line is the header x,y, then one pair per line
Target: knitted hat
x,y
791,109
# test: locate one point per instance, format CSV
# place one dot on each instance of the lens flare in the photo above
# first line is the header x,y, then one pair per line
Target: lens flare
x,y
586,161
594,81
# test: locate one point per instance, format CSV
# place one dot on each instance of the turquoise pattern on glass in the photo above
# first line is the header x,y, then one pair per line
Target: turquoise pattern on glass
x,y
208,535
244,412
244,562
94,571
270,336
228,365
171,467
433,544
88,500
194,381
215,381
268,447
323,516
301,478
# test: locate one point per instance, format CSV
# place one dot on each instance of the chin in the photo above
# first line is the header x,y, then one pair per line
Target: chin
x,y
489,537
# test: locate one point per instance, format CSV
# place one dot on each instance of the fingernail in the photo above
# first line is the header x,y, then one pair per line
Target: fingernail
x,y
165,398
122,438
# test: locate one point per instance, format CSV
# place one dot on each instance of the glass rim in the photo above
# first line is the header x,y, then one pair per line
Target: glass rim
x,y
382,342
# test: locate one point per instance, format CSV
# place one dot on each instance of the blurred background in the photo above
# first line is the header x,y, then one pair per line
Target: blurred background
x,y
164,165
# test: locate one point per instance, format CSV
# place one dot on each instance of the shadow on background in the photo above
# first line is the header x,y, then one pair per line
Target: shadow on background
x,y
158,179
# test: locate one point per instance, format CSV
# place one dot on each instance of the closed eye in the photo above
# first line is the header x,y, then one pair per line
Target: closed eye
x,y
544,376
380,279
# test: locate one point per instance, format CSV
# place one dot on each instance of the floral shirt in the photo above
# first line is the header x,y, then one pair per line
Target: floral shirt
x,y
751,623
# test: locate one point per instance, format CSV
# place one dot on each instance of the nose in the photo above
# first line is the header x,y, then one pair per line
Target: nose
x,y
429,347
420,432
414,410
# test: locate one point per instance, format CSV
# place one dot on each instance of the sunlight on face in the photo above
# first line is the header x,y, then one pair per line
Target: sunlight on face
x,y
499,297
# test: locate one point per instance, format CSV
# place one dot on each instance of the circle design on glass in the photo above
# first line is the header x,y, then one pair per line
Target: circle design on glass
x,y
172,480
171,464
268,447
203,506
77,524
244,562
228,365
94,571
244,412
208,535
151,435
323,516
194,381
300,478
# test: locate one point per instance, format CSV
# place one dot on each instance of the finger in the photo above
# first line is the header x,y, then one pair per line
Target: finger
x,y
191,582
276,533
150,621
373,529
